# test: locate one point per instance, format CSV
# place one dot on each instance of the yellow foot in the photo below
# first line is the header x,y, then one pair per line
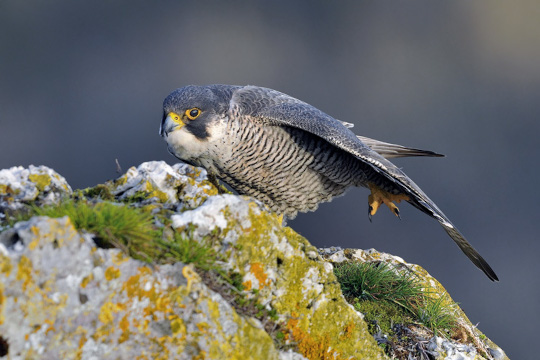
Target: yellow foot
x,y
378,197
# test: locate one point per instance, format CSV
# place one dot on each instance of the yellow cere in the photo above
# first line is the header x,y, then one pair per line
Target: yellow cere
x,y
175,117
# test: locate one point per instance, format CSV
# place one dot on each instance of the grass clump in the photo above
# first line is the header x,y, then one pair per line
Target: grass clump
x,y
134,230
181,247
113,225
435,315
390,297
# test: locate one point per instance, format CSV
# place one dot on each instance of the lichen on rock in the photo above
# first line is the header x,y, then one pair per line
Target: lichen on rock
x,y
156,181
278,263
37,184
268,295
64,298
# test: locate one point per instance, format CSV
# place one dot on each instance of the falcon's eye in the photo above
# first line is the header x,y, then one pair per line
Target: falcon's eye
x,y
193,113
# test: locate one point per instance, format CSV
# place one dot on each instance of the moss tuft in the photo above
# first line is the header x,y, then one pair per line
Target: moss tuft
x,y
381,316
99,191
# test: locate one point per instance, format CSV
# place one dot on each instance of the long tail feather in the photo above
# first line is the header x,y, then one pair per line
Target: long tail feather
x,y
388,150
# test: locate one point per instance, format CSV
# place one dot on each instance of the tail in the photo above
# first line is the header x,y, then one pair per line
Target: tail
x,y
388,150
421,201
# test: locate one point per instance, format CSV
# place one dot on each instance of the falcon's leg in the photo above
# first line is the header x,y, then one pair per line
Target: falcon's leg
x,y
379,196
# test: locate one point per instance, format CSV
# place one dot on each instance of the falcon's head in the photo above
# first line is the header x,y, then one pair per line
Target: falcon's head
x,y
190,109
190,117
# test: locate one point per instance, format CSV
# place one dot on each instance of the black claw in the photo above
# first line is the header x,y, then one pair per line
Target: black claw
x,y
369,212
396,211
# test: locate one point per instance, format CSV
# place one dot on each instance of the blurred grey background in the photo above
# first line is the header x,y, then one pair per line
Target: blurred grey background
x,y
82,83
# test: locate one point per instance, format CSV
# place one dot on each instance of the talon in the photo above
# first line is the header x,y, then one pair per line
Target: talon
x,y
370,208
396,211
379,196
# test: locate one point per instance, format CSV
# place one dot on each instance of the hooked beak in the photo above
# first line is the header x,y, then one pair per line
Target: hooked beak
x,y
169,123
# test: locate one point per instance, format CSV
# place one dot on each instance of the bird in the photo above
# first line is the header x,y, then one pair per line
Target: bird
x,y
290,155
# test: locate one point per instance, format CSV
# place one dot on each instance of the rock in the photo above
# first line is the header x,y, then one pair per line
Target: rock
x,y
38,184
272,295
63,298
156,181
440,347
278,263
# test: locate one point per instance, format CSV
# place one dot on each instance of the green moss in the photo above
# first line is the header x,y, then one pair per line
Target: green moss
x,y
382,316
136,198
216,186
99,191
120,181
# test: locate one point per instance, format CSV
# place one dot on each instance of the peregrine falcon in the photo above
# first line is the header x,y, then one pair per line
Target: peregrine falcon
x,y
289,154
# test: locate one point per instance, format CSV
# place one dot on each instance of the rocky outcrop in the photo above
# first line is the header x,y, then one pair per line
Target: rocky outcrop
x,y
267,294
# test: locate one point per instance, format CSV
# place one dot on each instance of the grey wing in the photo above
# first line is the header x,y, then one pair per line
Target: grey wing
x,y
271,107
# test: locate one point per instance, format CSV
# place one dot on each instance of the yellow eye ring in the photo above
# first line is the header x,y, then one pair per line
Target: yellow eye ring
x,y
193,113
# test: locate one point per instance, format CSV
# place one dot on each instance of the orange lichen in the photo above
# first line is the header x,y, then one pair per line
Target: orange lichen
x,y
115,315
314,348
82,341
124,326
348,330
258,271
106,313
203,327
50,324
247,285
